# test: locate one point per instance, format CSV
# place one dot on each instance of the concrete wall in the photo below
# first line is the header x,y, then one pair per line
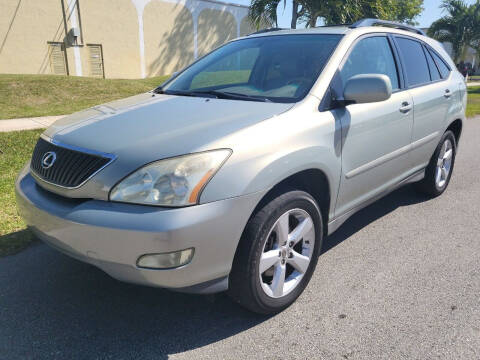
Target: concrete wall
x,y
114,24
25,28
214,28
247,28
169,43
139,38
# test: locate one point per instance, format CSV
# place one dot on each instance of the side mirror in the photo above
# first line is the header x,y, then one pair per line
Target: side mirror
x,y
367,88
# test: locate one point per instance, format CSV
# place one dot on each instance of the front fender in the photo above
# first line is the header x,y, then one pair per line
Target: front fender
x,y
267,155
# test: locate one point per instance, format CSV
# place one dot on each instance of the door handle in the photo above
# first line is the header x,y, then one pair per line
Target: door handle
x,y
406,107
448,93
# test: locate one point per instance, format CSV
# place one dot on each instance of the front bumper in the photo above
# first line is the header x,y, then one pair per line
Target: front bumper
x,y
112,236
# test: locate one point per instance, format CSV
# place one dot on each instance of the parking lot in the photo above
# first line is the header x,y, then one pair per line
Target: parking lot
x,y
400,279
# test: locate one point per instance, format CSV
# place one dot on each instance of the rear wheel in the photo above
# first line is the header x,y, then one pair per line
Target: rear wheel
x,y
440,167
277,254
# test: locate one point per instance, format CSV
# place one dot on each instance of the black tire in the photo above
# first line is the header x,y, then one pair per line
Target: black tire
x,y
244,281
428,185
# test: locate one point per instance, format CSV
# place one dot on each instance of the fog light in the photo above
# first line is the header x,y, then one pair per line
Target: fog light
x,y
166,260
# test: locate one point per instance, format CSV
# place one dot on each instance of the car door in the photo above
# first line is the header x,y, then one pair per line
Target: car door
x,y
375,136
432,94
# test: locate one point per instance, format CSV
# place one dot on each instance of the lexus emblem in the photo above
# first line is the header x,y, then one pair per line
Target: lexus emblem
x,y
48,159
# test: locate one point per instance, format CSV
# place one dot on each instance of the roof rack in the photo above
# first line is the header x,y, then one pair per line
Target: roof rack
x,y
333,25
266,30
396,25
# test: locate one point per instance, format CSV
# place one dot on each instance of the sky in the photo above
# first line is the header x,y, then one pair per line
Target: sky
x,y
430,13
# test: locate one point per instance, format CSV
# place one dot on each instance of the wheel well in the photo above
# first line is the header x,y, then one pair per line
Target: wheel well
x,y
456,128
312,181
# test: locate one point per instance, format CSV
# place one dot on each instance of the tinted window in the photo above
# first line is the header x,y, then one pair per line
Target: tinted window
x,y
434,73
444,70
372,55
231,69
276,68
414,61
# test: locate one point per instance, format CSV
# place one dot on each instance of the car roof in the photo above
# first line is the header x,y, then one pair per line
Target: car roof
x,y
337,29
354,32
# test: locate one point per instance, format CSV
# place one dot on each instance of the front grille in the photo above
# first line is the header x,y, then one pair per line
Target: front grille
x,y
70,169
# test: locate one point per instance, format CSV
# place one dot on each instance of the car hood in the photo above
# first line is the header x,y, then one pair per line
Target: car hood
x,y
149,127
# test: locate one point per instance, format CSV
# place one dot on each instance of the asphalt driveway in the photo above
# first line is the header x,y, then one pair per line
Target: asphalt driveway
x,y
401,279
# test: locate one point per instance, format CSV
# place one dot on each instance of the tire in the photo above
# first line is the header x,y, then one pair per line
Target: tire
x,y
262,291
435,183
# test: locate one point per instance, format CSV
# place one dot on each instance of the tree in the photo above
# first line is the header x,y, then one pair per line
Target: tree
x,y
460,27
335,11
407,11
263,12
349,11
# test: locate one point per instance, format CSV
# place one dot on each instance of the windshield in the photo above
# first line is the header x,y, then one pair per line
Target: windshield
x,y
268,68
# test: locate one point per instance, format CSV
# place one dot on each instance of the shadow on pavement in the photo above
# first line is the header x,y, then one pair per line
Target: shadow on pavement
x,y
15,241
52,306
404,196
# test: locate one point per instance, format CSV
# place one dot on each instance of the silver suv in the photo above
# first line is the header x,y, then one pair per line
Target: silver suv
x,y
231,174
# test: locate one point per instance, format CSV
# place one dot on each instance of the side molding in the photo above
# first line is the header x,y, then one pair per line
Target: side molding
x,y
390,156
337,222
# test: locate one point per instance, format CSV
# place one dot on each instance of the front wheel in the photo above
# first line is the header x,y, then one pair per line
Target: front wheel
x,y
277,253
440,168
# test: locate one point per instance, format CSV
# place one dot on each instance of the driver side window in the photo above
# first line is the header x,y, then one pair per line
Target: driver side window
x,y
372,55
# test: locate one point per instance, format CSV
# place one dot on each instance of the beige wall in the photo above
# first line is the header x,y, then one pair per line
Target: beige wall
x,y
114,24
169,45
246,27
25,28
214,28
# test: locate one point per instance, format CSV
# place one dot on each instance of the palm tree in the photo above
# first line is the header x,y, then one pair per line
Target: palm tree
x,y
460,26
263,13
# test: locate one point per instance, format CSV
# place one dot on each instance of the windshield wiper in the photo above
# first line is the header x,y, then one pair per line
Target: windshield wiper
x,y
158,90
233,96
188,93
212,93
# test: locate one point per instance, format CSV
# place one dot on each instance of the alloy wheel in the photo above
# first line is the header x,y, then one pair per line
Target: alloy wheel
x,y
287,253
444,164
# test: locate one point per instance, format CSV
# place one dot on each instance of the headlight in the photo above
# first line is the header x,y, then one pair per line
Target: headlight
x,y
177,181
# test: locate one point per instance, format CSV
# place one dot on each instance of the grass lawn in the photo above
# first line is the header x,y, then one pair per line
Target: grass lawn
x,y
473,103
16,148
42,95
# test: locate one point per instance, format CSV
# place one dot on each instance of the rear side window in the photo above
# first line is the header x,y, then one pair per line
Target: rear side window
x,y
434,73
414,61
444,70
372,55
